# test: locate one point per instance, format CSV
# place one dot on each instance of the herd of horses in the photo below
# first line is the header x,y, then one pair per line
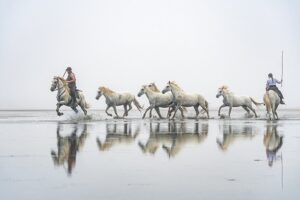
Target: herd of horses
x,y
172,97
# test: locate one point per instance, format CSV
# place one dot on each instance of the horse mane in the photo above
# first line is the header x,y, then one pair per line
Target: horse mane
x,y
63,81
106,90
175,85
225,88
154,87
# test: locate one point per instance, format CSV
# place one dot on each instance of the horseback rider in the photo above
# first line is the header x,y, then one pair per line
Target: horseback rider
x,y
271,85
71,80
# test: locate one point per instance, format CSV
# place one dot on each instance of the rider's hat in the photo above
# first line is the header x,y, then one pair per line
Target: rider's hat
x,y
69,69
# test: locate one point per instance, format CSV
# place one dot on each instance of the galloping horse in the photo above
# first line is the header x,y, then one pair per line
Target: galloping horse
x,y
272,101
64,98
156,99
114,99
232,100
183,99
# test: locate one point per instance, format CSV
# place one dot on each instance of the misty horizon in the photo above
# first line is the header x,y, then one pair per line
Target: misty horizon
x,y
125,44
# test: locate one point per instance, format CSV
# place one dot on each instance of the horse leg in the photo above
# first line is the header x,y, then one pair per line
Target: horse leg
x,y
268,112
57,109
181,111
158,112
247,110
130,107
150,113
115,110
196,110
229,111
125,110
273,106
206,110
170,110
106,110
252,109
144,115
75,109
177,107
276,111
222,106
82,108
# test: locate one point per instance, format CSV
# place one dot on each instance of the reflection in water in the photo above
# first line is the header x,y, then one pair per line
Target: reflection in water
x,y
68,146
177,134
118,134
273,143
233,132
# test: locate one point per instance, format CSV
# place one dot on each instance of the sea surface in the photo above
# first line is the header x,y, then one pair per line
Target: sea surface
x,y
43,156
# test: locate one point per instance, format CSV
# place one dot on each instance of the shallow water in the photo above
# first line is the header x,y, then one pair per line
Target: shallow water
x,y
72,157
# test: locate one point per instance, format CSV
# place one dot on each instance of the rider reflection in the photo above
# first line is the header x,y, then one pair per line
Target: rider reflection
x,y
67,147
273,142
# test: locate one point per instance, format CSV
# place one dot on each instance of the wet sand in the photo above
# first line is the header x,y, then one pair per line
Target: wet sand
x,y
72,157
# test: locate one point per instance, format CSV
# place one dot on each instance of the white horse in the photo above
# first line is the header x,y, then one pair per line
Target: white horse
x,y
114,99
183,99
232,100
64,98
272,101
156,99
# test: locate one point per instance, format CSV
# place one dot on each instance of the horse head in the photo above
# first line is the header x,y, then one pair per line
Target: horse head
x,y
99,92
54,83
167,88
142,91
221,91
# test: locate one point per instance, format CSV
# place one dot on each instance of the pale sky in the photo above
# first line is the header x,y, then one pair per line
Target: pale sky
x,y
125,44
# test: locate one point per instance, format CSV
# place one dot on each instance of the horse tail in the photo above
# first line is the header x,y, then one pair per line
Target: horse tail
x,y
137,104
267,102
206,106
255,102
83,101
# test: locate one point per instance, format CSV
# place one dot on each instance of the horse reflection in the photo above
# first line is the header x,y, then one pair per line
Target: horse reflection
x,y
273,143
233,132
176,135
117,134
68,146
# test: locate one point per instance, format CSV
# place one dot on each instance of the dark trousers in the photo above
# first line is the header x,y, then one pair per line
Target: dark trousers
x,y
73,93
275,89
